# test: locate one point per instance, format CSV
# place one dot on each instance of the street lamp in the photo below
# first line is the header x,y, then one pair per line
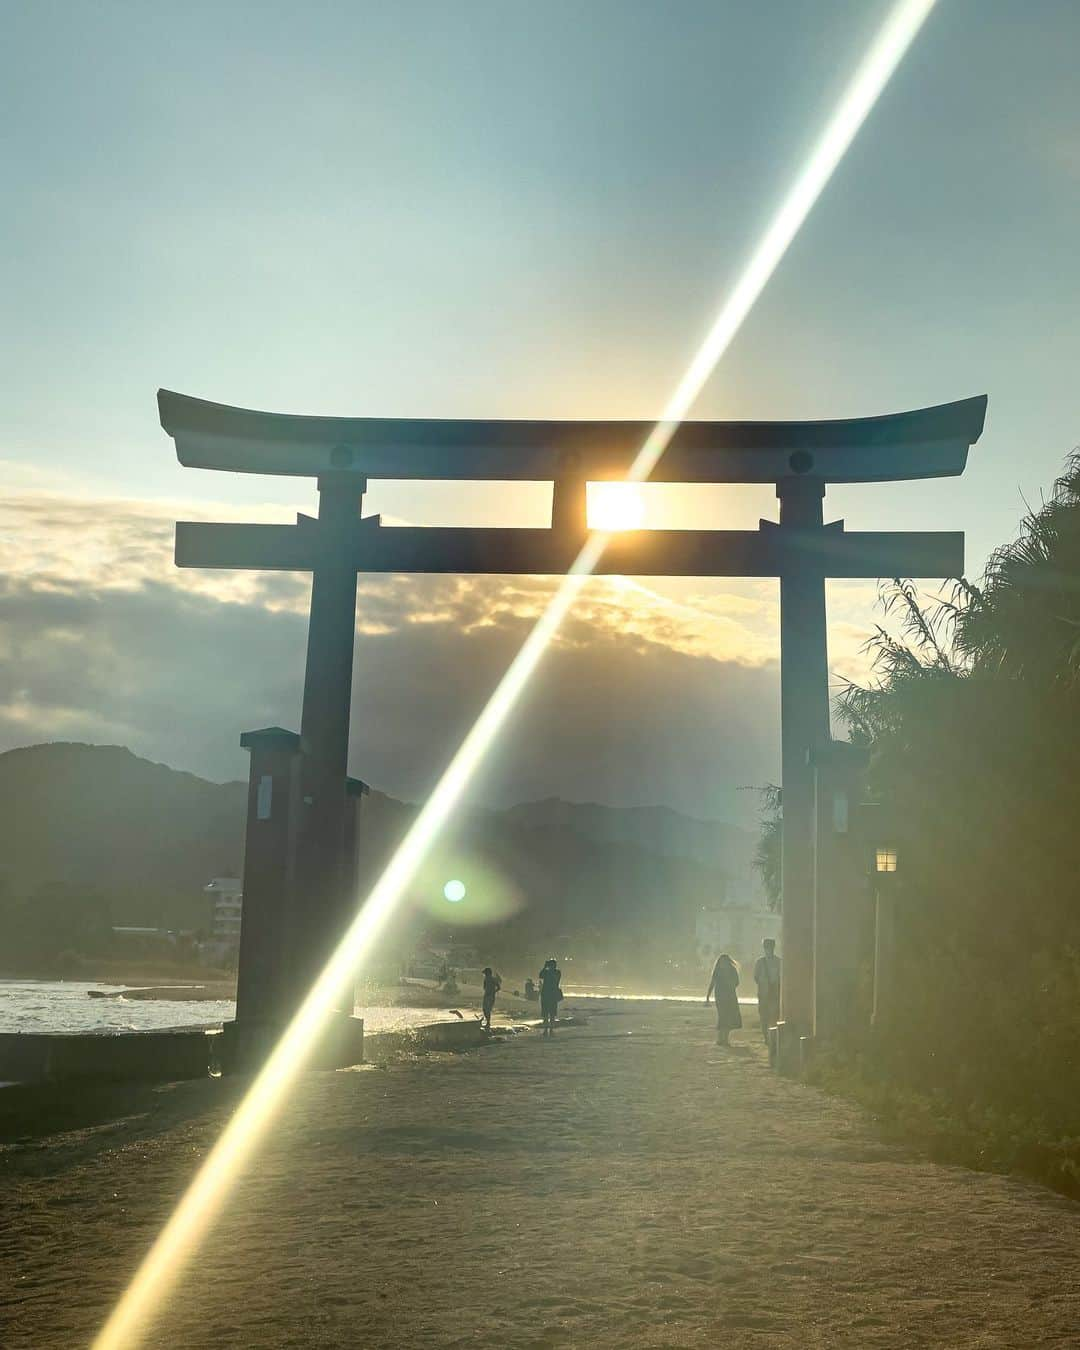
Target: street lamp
x,y
886,866
882,853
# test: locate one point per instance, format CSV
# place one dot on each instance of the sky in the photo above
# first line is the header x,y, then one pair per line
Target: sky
x,y
508,210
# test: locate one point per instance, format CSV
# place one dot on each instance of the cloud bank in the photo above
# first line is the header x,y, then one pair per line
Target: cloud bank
x,y
645,697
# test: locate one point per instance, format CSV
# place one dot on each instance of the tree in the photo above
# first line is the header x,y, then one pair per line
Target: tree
x,y
974,721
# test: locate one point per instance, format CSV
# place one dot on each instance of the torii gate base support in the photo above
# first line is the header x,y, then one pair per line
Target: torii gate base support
x,y
840,889
274,973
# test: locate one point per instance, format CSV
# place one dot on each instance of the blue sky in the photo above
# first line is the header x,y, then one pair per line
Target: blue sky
x,y
513,209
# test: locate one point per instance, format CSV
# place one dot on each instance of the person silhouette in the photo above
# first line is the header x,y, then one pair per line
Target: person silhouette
x,y
550,994
492,985
767,979
722,987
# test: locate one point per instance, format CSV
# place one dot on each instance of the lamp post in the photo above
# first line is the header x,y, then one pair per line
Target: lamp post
x,y
886,868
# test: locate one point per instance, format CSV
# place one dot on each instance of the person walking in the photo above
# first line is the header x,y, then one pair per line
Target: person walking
x,y
550,994
767,979
492,985
722,987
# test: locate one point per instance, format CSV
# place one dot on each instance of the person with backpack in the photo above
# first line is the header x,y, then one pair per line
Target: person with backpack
x,y
550,994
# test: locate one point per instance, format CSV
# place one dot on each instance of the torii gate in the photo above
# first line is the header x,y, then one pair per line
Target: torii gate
x,y
800,458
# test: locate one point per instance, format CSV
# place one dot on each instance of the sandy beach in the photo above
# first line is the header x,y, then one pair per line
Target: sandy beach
x,y
626,1184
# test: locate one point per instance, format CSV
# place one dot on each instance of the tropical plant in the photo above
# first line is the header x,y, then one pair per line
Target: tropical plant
x,y
973,716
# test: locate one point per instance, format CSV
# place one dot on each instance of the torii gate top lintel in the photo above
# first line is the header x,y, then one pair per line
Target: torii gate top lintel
x,y
923,443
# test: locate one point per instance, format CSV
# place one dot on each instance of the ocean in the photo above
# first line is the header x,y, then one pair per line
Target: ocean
x,y
66,1006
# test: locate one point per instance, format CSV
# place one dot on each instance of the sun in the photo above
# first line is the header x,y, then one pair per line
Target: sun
x,y
615,506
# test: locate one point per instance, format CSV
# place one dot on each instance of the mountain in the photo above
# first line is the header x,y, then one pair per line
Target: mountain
x,y
99,816
658,829
102,820
543,876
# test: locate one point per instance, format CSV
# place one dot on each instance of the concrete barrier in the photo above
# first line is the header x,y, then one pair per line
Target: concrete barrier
x,y
161,1056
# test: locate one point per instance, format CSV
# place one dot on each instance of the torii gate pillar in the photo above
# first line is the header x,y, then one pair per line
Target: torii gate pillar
x,y
322,883
804,723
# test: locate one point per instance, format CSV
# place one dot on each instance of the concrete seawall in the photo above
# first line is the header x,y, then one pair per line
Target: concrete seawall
x,y
164,1056
39,1057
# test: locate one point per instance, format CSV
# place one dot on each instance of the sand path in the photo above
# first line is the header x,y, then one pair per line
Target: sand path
x,y
627,1184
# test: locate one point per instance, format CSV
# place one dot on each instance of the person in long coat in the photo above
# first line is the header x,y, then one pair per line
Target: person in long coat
x,y
722,989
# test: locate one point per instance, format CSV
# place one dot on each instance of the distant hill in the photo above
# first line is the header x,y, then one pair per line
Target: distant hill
x,y
550,877
657,829
100,817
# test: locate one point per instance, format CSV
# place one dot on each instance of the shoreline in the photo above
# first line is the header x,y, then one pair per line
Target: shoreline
x,y
58,1031
42,1114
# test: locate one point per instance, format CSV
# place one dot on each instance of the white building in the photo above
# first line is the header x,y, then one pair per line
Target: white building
x,y
228,894
738,930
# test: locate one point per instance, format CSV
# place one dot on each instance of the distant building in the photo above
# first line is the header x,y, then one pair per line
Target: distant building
x,y
738,930
228,900
145,941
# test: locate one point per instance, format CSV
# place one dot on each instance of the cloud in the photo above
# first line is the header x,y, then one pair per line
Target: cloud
x,y
651,692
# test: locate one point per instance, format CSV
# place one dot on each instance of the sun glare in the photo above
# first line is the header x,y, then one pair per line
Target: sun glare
x,y
615,506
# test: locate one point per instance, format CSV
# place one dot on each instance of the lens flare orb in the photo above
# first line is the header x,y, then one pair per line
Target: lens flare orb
x,y
454,891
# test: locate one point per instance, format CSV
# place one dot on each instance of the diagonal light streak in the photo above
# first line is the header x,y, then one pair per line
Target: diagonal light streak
x,y
201,1203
